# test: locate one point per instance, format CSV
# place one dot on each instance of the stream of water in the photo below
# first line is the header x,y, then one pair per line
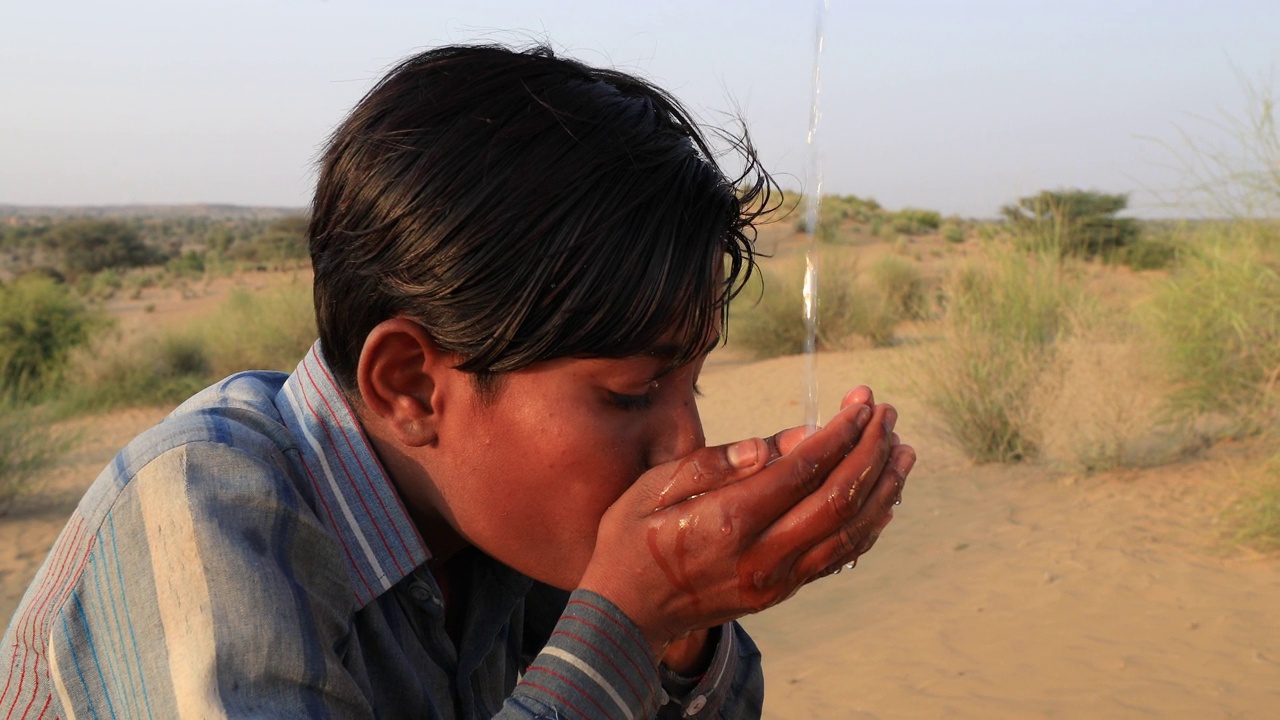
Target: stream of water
x,y
813,202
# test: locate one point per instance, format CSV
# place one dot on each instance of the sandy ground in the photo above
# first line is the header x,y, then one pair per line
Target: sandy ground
x,y
996,592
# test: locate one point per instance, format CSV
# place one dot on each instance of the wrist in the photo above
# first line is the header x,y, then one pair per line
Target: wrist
x,y
691,655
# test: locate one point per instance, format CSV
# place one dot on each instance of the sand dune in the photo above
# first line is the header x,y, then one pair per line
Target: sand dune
x,y
1017,593
997,592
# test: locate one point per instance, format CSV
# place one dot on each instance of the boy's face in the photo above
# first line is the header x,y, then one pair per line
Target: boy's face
x,y
529,473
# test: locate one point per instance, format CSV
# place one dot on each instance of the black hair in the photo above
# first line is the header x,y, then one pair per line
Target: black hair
x,y
523,207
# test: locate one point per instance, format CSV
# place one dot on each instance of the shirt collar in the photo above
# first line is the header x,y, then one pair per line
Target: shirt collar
x,y
356,499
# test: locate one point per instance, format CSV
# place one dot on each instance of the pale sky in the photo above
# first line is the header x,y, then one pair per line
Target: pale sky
x,y
956,106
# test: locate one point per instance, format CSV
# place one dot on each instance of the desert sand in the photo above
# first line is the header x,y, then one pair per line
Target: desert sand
x,y
996,592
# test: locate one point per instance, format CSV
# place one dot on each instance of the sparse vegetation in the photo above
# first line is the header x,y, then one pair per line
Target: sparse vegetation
x,y
27,447
40,323
1219,321
266,331
1003,320
768,316
911,221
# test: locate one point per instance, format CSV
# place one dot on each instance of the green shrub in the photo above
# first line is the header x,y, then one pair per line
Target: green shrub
x,y
27,447
188,264
768,317
1255,518
271,330
40,323
283,242
1218,318
1004,319
953,233
150,371
1076,223
1145,254
100,286
899,282
910,221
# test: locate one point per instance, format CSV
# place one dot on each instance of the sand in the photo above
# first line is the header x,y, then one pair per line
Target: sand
x,y
997,592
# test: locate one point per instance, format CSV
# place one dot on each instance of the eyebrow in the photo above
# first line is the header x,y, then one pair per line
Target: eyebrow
x,y
671,351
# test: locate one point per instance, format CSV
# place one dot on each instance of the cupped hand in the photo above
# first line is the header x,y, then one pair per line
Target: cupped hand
x,y
731,530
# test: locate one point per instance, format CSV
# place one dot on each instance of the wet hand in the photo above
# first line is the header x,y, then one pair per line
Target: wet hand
x,y
732,530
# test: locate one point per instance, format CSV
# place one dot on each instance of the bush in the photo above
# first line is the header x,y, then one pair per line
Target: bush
x,y
27,447
1003,319
283,242
40,323
910,221
270,330
1218,318
899,282
1145,254
264,331
99,286
768,317
188,264
1076,223
1255,518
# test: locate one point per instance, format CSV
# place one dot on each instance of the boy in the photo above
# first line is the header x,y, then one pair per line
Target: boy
x,y
485,491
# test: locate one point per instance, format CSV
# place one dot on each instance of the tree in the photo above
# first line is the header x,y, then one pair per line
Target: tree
x,y
1081,223
87,246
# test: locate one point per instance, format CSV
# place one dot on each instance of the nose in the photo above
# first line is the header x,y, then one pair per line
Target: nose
x,y
679,431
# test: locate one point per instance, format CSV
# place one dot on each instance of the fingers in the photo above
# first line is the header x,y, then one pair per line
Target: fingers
x,y
858,536
755,503
843,491
787,440
860,395
702,471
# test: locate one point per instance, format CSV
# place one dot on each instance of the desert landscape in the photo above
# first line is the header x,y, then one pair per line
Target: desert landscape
x,y
1102,576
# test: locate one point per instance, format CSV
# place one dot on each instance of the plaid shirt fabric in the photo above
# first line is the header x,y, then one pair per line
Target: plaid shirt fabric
x,y
249,557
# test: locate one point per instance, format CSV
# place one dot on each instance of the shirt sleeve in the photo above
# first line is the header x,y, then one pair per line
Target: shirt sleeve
x,y
732,687
167,618
596,665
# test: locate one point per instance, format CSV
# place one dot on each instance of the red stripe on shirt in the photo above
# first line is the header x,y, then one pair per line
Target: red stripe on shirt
x,y
561,699
353,485
324,370
605,635
31,619
604,656
626,630
315,484
572,684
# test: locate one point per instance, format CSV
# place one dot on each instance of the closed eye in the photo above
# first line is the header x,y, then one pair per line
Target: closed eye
x,y
631,402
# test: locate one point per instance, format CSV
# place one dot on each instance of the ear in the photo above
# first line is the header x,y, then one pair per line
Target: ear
x,y
400,374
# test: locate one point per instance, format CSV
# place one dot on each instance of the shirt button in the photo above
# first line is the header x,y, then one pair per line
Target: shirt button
x,y
696,705
422,595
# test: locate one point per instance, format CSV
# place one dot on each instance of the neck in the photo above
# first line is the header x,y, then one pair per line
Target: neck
x,y
420,496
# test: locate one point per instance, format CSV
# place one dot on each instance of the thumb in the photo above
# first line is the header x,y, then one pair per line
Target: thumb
x,y
702,471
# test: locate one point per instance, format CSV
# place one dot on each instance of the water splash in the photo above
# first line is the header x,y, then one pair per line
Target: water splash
x,y
813,202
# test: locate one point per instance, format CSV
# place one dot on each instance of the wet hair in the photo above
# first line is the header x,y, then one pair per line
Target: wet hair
x,y
522,207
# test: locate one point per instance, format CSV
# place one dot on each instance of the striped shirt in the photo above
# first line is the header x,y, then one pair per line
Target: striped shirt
x,y
249,557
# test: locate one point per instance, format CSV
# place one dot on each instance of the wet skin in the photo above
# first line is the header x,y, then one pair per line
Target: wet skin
x,y
594,473
728,540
